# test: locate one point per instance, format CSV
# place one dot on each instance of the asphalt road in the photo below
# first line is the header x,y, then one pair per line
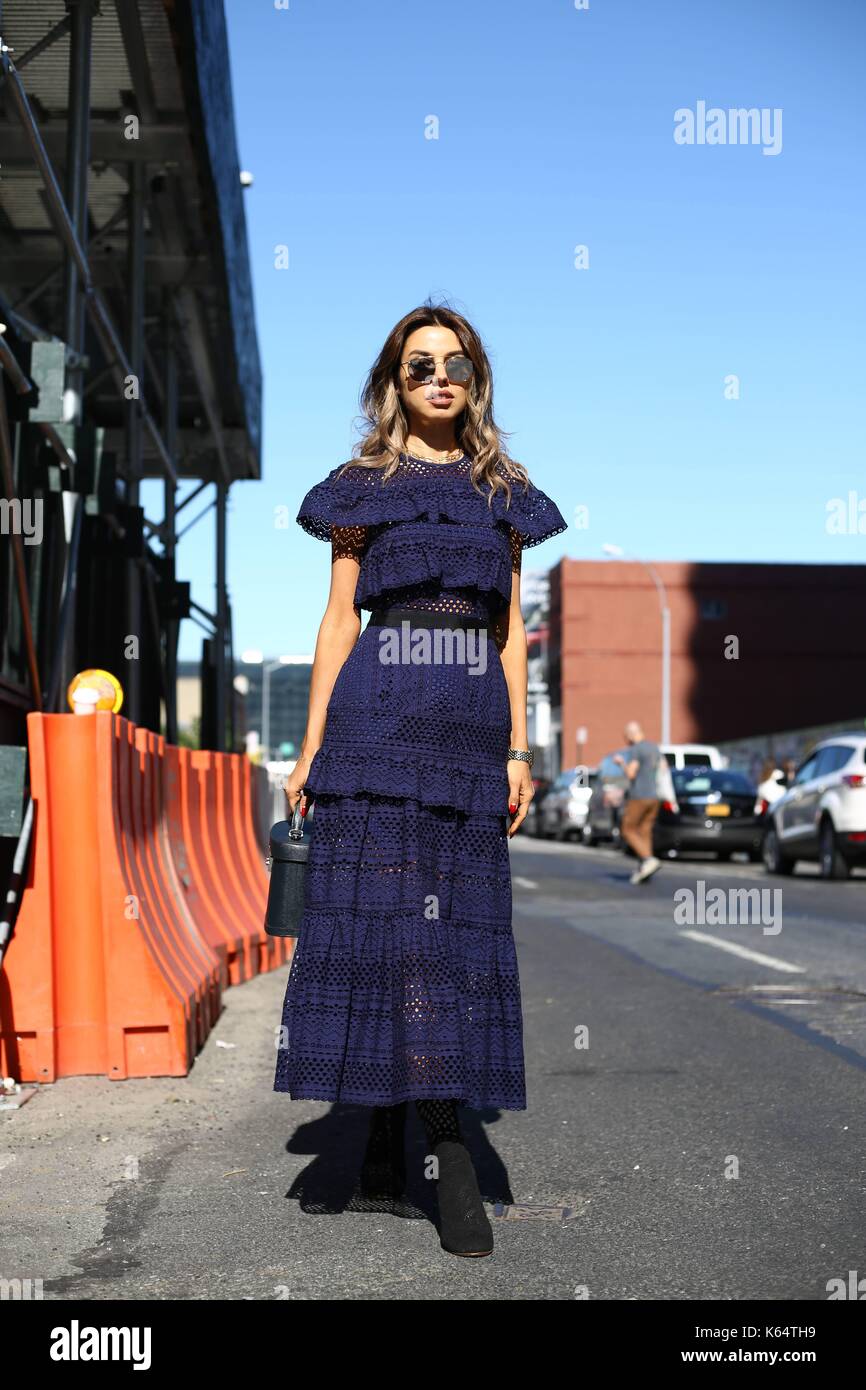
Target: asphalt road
x,y
705,1139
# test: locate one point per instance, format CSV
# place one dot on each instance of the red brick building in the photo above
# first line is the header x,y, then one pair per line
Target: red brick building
x,y
755,648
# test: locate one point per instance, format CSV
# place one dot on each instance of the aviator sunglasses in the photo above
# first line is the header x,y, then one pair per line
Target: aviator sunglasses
x,y
458,369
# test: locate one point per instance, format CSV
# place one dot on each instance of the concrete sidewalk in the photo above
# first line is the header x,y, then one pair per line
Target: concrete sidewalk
x,y
214,1186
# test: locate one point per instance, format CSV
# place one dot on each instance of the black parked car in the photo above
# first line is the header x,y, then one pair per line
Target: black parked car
x,y
716,810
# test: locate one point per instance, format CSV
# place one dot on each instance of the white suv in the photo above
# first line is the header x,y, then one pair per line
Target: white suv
x,y
823,813
680,755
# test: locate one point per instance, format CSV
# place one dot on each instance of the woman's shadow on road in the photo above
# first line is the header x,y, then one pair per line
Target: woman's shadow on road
x,y
337,1140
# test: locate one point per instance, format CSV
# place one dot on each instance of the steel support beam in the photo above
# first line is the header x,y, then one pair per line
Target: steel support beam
x,y
165,143
196,340
195,519
191,495
61,27
29,332
24,271
81,14
77,168
205,614
135,329
169,540
135,343
115,221
208,631
221,705
135,48
101,319
8,469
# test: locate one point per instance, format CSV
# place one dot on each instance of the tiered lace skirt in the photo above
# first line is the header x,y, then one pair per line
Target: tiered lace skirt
x,y
404,983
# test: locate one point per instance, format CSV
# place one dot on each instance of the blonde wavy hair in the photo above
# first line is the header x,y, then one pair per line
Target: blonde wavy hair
x,y
384,418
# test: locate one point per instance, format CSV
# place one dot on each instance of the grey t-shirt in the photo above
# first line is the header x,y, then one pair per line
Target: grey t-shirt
x,y
647,755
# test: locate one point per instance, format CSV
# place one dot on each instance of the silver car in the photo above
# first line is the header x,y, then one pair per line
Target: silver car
x,y
609,786
822,815
563,811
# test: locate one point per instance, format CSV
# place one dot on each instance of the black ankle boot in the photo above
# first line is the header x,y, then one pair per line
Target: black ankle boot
x,y
463,1225
382,1182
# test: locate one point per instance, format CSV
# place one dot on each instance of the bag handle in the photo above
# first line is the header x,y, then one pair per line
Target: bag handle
x,y
296,829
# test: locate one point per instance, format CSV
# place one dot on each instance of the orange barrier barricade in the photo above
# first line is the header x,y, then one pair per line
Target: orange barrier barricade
x,y
201,962
27,975
128,854
214,868
189,828
249,887
143,902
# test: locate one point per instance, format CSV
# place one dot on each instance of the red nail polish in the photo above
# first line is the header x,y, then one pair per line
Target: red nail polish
x,y
512,809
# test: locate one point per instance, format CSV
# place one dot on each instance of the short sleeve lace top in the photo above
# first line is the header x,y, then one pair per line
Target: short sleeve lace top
x,y
427,532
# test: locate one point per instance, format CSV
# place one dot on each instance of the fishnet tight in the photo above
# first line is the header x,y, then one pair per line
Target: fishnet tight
x,y
438,1117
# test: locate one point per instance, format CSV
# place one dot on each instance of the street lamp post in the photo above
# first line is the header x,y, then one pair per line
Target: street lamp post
x,y
618,553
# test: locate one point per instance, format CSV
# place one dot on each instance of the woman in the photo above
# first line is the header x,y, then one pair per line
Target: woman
x,y
404,983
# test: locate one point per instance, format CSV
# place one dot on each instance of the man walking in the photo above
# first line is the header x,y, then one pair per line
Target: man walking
x,y
642,805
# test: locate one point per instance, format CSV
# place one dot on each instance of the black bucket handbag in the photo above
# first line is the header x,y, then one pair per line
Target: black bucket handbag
x,y
287,863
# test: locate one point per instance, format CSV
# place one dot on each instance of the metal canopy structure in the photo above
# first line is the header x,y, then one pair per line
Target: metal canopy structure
x,y
128,349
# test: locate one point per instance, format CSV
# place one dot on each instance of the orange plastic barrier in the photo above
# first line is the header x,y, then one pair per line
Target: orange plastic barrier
x,y
249,884
189,828
144,901
27,1009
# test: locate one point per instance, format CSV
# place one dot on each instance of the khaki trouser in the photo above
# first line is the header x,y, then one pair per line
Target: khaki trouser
x,y
637,824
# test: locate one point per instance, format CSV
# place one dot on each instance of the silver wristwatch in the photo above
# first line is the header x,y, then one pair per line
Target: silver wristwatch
x,y
520,755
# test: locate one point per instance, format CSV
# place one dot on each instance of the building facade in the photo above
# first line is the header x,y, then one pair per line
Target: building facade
x,y
755,649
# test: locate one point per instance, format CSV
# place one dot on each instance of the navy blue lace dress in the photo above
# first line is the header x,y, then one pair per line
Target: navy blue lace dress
x,y
404,983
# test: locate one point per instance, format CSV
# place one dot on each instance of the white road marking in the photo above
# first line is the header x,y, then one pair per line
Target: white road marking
x,y
524,882
770,961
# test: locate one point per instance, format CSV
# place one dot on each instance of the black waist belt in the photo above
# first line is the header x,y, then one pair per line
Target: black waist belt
x,y
425,617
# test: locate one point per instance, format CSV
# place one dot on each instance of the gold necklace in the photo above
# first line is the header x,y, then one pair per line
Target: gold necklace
x,y
447,456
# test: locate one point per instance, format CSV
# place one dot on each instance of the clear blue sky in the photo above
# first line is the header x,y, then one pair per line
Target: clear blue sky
x,y
556,129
